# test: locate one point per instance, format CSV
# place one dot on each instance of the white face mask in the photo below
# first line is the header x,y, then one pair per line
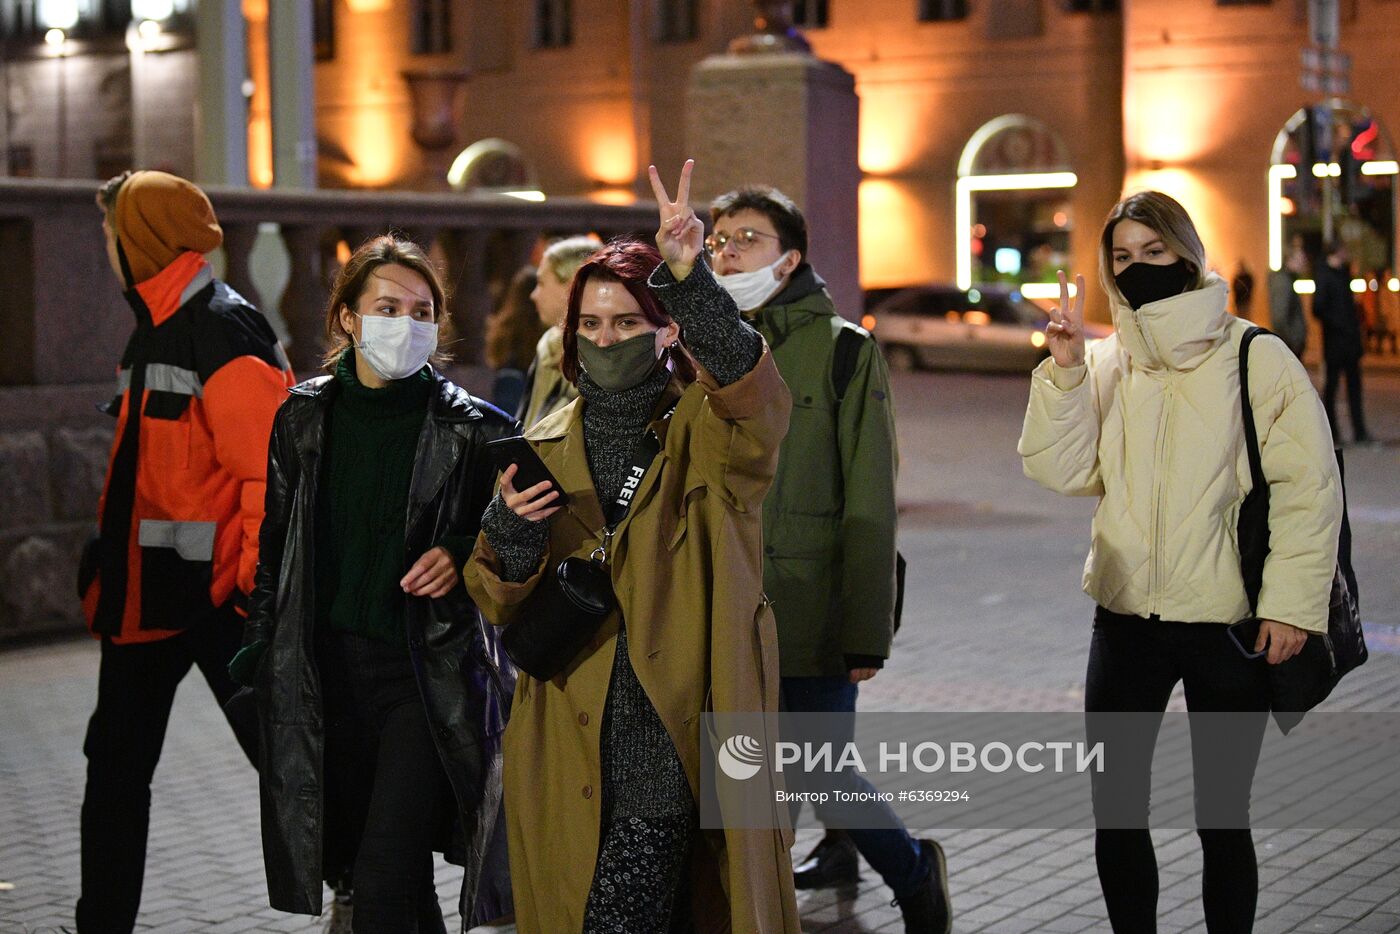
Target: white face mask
x,y
751,289
396,347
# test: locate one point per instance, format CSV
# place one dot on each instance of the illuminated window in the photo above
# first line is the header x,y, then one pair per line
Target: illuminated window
x,y
432,27
935,11
1333,164
1013,213
810,14
553,24
676,20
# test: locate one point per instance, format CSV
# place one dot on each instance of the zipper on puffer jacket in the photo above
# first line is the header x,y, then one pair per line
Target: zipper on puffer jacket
x,y
1159,493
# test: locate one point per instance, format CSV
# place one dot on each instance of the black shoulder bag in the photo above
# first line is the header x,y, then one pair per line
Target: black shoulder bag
x,y
565,610
1304,681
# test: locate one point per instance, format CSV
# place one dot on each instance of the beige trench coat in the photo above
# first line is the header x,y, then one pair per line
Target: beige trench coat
x,y
687,568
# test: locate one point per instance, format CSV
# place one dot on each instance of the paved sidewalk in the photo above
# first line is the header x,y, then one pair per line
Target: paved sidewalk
x,y
995,621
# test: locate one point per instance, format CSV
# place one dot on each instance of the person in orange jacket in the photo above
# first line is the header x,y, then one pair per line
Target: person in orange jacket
x,y
164,583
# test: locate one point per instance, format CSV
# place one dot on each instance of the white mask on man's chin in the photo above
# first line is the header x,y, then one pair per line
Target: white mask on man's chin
x,y
751,290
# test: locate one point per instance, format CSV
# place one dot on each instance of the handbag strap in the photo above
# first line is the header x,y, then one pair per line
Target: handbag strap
x,y
1251,433
643,453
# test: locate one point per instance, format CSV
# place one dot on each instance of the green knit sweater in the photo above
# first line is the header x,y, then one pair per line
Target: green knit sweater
x,y
361,509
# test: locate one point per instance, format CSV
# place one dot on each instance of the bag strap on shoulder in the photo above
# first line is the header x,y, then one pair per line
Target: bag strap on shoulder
x,y
643,453
1251,432
843,366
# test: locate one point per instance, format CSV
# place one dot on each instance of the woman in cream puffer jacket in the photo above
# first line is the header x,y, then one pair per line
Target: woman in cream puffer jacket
x,y
1149,421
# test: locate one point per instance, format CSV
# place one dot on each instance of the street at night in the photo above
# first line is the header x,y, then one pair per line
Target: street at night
x,y
994,620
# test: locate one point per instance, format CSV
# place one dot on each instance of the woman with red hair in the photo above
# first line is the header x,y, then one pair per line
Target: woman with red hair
x,y
602,758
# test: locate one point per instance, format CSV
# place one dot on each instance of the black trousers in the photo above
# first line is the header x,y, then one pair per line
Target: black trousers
x,y
1134,664
1335,373
386,792
135,689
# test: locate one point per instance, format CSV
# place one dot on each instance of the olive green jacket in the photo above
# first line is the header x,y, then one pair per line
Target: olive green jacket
x,y
829,520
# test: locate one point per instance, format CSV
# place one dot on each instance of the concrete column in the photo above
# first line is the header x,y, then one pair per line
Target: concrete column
x,y
292,50
790,120
221,110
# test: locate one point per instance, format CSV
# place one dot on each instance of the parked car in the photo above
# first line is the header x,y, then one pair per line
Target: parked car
x,y
991,328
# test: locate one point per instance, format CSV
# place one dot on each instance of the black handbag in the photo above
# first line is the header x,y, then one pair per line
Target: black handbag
x,y
1304,681
567,608
560,617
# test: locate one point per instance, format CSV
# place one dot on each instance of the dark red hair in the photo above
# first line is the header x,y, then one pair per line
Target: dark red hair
x,y
629,262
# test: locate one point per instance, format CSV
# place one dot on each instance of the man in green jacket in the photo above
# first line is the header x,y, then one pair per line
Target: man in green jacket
x,y
829,519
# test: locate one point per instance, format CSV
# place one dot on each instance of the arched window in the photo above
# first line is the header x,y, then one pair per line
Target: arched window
x,y
1013,217
1332,177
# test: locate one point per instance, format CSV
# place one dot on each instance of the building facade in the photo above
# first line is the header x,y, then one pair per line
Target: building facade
x,y
994,134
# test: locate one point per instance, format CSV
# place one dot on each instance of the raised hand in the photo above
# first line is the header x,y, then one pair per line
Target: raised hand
x,y
1065,333
681,235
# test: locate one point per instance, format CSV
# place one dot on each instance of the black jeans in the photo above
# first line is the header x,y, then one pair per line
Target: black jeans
x,y
135,689
1134,664
1352,372
386,791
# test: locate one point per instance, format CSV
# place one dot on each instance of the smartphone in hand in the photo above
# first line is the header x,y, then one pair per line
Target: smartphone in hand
x,y
530,470
1244,635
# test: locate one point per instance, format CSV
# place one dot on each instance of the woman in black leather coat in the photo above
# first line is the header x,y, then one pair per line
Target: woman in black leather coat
x,y
381,695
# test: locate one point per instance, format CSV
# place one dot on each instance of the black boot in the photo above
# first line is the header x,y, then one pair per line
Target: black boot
x,y
834,862
928,909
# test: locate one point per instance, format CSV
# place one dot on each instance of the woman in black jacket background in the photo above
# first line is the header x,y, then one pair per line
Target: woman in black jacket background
x,y
381,696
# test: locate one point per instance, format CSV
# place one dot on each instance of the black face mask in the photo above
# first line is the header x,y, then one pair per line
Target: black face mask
x,y
1144,283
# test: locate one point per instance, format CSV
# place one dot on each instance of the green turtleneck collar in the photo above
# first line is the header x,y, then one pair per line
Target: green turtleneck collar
x,y
399,397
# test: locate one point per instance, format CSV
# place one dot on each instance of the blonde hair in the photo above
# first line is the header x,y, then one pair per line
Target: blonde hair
x,y
562,258
1168,219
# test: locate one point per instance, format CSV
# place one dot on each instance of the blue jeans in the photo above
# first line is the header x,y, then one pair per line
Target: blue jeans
x,y
888,848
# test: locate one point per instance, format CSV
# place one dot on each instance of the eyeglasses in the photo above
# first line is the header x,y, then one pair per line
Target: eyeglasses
x,y
743,238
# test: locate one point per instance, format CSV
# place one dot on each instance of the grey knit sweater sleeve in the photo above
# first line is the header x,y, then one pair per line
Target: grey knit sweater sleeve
x,y
714,331
519,543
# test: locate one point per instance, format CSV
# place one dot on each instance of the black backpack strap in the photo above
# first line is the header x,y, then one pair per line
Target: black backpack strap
x,y
843,365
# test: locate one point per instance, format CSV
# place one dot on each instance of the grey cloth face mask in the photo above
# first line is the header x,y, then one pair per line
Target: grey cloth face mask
x,y
619,366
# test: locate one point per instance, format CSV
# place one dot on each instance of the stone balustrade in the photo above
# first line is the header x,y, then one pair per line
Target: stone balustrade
x,y
63,324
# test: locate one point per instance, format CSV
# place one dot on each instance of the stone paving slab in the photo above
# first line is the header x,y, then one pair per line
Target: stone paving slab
x,y
995,621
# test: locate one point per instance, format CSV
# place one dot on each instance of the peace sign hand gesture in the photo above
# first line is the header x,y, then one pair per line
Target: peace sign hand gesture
x,y
681,235
1065,332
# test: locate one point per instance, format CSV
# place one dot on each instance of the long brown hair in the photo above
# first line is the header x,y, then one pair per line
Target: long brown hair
x,y
385,250
514,330
1168,219
629,262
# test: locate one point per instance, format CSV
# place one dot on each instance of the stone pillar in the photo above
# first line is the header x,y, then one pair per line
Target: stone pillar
x,y
291,50
790,120
221,110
